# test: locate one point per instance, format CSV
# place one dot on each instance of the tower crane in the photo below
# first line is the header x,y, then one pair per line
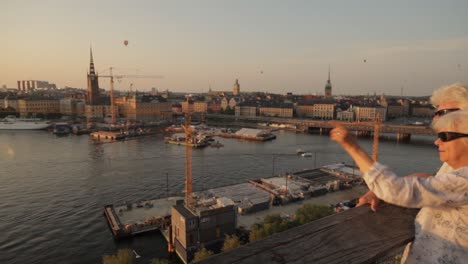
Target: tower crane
x,y
119,77
375,146
188,159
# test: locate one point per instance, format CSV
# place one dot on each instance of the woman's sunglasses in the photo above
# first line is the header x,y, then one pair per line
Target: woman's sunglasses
x,y
445,111
449,136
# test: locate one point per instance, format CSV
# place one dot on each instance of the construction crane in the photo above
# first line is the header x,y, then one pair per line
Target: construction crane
x,y
375,146
188,159
119,77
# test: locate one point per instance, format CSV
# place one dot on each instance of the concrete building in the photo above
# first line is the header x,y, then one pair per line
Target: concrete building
x,y
27,86
200,225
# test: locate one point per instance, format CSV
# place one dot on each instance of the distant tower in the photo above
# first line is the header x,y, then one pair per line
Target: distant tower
x,y
236,89
328,86
93,84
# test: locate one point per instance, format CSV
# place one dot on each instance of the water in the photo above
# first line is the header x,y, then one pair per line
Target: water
x,y
53,189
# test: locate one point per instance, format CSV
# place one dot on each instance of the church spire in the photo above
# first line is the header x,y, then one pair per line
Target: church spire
x,y
91,62
328,86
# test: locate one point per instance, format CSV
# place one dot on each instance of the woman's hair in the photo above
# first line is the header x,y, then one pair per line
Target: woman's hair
x,y
453,122
456,92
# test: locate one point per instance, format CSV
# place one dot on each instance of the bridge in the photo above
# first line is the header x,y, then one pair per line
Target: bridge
x,y
402,131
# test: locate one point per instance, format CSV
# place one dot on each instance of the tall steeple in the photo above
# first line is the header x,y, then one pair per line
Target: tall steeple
x,y
92,97
236,88
328,86
91,63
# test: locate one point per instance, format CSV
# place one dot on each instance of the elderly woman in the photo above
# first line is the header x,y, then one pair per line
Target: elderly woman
x,y
441,234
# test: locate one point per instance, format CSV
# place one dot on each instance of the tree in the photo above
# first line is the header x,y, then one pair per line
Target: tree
x,y
256,232
202,253
311,212
123,256
230,243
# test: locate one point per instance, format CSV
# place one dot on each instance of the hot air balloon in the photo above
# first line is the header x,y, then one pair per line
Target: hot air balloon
x,y
126,42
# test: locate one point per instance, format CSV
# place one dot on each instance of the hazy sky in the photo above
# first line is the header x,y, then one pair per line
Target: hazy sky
x,y
277,46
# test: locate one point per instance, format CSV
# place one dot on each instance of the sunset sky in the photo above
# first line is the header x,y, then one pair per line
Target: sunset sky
x,y
276,46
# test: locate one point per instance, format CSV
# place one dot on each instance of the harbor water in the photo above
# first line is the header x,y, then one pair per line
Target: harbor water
x,y
53,189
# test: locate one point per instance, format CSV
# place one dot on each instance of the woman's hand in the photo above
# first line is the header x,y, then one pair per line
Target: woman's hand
x,y
341,135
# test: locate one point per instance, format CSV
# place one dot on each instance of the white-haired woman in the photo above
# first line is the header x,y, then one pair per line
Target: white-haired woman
x,y
441,234
446,99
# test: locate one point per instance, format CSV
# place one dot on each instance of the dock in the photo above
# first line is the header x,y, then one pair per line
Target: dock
x,y
133,218
252,200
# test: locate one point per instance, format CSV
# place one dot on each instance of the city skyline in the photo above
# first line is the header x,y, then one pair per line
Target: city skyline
x,y
270,46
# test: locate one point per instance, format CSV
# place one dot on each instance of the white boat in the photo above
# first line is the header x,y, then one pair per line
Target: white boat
x,y
12,122
306,154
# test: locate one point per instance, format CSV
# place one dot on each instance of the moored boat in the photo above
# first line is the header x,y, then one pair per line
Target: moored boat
x,y
14,123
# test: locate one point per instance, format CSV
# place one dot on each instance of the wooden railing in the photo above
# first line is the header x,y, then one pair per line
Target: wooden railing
x,y
357,235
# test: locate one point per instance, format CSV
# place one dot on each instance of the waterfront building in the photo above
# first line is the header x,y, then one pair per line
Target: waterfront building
x,y
233,102
176,108
422,111
236,88
224,103
276,111
246,110
144,108
324,111
92,97
33,106
200,107
97,112
347,115
328,86
187,106
395,110
214,106
370,113
72,107
10,101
